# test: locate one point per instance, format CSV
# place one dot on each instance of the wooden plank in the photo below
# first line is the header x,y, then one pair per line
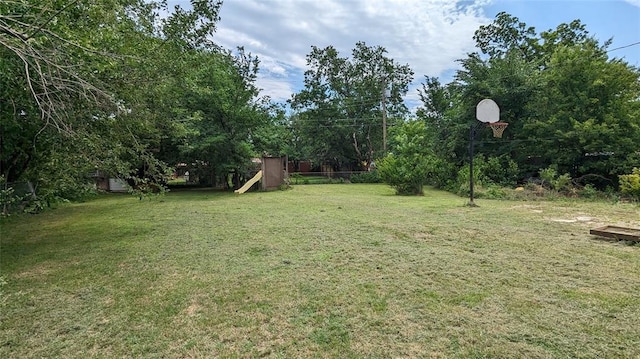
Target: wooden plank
x,y
616,232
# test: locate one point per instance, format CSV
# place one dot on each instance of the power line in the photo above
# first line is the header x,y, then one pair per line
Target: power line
x,y
625,46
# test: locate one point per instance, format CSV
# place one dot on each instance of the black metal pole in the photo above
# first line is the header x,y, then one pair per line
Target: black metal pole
x,y
471,155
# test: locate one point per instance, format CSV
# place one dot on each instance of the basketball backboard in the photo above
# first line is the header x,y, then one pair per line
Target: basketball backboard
x,y
487,111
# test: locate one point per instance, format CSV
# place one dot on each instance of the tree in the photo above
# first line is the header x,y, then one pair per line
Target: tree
x,y
439,113
567,104
86,82
273,136
341,108
224,110
590,111
507,34
410,161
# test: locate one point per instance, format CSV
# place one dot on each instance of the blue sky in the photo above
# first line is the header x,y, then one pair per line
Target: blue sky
x,y
604,19
429,35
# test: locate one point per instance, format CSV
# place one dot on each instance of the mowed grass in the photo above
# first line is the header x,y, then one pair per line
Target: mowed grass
x,y
344,271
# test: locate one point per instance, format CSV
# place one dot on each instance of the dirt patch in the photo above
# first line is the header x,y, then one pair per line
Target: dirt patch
x,y
193,309
41,270
574,220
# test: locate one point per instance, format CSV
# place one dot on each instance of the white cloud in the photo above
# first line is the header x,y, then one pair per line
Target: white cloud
x,y
429,35
634,2
275,88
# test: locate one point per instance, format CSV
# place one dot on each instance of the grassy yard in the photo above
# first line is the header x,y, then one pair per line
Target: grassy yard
x,y
344,271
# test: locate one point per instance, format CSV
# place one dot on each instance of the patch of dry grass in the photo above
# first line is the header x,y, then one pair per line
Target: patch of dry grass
x,y
319,271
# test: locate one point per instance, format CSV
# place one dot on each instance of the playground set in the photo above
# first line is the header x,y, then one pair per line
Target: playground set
x,y
272,174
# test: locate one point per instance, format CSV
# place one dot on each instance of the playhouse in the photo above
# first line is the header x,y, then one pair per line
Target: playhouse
x,y
272,174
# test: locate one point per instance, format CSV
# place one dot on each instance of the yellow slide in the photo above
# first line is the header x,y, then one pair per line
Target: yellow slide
x,y
250,183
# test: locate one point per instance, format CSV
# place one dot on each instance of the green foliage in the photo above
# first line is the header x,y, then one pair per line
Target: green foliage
x,y
495,192
500,170
492,172
296,177
339,112
630,183
399,174
366,177
224,119
125,87
10,201
443,173
548,175
409,163
461,185
590,111
131,86
567,104
560,183
589,191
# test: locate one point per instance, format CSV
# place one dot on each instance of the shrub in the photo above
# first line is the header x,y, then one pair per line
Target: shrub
x,y
551,179
496,192
406,168
442,175
489,172
461,187
589,191
630,184
402,174
17,197
500,170
366,177
8,198
548,175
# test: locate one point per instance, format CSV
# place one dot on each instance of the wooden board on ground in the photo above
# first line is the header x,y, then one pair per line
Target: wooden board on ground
x,y
619,233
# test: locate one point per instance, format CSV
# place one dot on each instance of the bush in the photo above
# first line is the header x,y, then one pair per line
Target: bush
x,y
496,192
492,172
8,198
442,175
589,191
407,167
366,177
551,179
461,187
630,184
500,170
402,174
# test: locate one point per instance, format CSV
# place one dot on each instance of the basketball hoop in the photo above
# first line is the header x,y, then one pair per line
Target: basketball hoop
x,y
498,128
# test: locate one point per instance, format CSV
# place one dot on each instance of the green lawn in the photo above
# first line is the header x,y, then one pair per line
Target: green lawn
x,y
319,271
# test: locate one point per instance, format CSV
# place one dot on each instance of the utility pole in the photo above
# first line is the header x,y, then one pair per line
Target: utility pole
x,y
384,118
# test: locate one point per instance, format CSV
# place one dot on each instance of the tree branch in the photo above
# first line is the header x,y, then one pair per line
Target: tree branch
x,y
41,26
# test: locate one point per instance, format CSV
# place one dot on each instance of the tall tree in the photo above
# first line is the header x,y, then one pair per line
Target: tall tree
x,y
345,100
557,90
438,112
77,80
590,113
508,34
224,109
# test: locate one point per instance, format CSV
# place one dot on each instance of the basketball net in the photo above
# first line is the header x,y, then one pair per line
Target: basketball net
x,y
498,128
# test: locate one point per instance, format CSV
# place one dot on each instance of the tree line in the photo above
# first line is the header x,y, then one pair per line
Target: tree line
x,y
572,110
124,87
569,106
133,87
